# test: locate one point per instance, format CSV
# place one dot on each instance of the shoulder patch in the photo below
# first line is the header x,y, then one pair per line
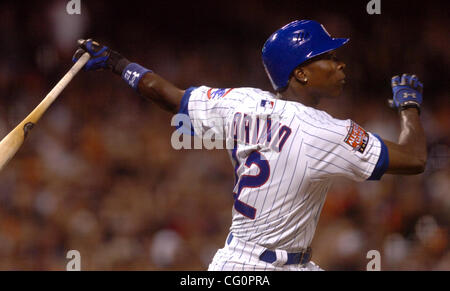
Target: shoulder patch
x,y
216,93
357,137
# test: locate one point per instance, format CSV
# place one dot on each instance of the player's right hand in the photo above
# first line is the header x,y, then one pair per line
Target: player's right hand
x,y
102,57
406,92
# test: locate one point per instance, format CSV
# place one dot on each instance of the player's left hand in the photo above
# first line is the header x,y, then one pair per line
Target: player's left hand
x,y
102,57
407,92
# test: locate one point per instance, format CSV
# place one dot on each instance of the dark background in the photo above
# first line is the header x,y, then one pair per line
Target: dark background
x,y
98,173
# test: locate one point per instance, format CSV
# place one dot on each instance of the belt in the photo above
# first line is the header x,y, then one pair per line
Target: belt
x,y
270,256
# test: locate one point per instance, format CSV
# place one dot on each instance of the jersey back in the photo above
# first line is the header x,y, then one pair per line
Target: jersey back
x,y
284,155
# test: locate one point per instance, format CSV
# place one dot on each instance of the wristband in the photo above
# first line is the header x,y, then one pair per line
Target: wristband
x,y
409,104
133,73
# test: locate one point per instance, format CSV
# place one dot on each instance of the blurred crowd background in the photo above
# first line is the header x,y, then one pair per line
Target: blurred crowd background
x,y
98,173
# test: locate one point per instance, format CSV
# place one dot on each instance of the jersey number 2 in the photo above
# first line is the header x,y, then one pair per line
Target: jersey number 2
x,y
248,181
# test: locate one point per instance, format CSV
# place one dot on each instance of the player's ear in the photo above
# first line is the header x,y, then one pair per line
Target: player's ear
x,y
300,75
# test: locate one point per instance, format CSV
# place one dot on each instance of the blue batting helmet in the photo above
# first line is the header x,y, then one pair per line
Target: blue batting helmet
x,y
292,45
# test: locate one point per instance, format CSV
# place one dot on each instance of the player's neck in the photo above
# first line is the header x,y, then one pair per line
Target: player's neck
x,y
303,95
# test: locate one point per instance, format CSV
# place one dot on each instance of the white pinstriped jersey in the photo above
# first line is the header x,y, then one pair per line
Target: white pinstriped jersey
x,y
282,174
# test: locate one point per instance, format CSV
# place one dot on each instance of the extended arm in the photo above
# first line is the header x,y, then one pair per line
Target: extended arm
x,y
144,81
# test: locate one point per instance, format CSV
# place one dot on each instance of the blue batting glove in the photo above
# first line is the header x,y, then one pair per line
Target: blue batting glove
x,y
407,92
102,57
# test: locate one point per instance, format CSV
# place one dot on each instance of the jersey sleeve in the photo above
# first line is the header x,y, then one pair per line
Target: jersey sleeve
x,y
207,109
336,147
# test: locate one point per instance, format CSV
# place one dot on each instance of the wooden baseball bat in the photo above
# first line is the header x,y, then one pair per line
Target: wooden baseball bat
x,y
11,143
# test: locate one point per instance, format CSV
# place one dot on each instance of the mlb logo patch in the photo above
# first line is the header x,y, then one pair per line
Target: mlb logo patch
x,y
357,138
267,104
216,93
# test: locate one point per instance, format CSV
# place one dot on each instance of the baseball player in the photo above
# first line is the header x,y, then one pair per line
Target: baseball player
x,y
284,151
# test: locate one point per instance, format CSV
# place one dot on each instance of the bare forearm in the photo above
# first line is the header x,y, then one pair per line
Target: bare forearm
x,y
412,134
410,154
160,91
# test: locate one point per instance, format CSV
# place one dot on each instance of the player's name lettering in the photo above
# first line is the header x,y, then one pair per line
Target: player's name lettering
x,y
259,130
243,129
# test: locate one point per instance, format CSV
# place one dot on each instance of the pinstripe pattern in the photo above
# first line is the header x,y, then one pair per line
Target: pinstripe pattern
x,y
289,203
